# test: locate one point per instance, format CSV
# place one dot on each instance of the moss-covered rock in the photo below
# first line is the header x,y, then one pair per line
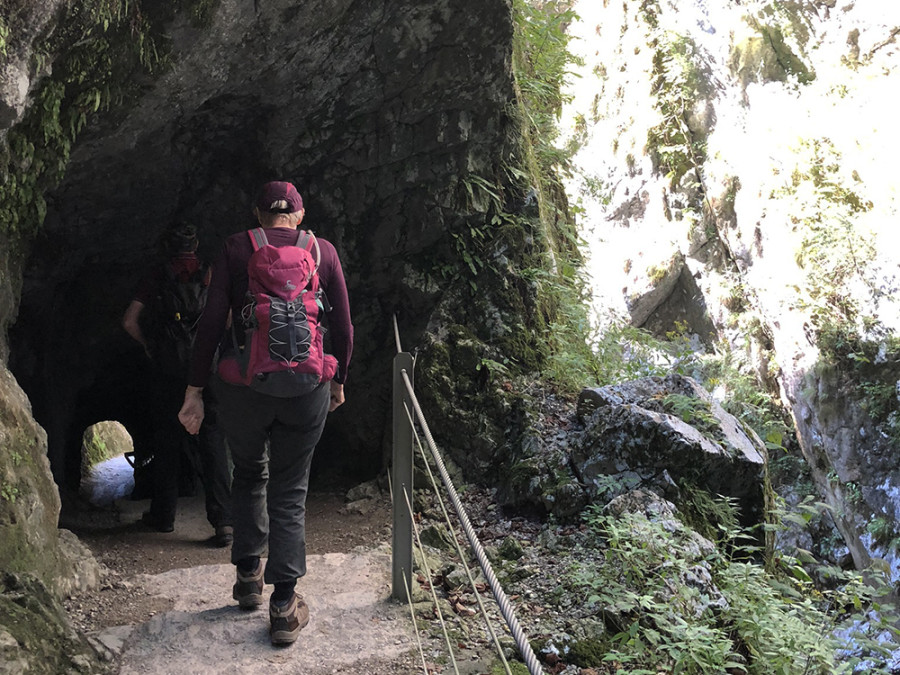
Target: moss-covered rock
x,y
103,441
767,57
629,433
467,405
511,549
540,478
35,635
41,563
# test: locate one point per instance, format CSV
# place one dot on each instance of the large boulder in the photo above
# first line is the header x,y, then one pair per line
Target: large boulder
x,y
666,434
31,543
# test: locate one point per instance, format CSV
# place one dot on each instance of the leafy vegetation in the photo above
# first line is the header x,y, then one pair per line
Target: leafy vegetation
x,y
740,392
579,356
676,86
691,410
94,449
519,240
542,66
884,533
8,492
832,251
88,61
736,617
783,615
4,37
96,49
786,32
842,277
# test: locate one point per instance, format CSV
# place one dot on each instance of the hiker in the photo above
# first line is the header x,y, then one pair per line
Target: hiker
x,y
272,410
162,318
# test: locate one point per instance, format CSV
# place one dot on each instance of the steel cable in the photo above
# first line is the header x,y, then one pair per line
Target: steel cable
x,y
459,550
397,335
534,668
431,586
412,614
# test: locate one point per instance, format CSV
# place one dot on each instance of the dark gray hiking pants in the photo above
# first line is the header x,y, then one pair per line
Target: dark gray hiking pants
x,y
177,455
269,489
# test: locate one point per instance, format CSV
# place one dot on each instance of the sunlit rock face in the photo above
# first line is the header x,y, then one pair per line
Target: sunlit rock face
x,y
374,111
17,74
754,142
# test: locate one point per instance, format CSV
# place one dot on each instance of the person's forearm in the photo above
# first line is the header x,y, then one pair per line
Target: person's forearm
x,y
135,332
132,324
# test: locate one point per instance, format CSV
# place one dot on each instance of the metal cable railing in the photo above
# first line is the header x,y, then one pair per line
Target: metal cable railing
x,y
505,606
409,412
459,551
437,605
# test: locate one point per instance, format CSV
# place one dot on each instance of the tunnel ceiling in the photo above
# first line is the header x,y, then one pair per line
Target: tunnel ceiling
x,y
376,110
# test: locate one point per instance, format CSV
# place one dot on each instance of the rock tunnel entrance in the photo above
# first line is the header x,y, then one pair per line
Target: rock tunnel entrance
x,y
376,112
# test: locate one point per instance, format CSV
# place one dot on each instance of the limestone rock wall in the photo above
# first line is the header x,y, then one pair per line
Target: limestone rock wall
x,y
29,503
750,141
377,111
41,564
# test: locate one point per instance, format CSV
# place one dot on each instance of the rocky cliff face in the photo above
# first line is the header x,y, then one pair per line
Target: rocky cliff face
x,y
387,116
392,118
378,112
747,147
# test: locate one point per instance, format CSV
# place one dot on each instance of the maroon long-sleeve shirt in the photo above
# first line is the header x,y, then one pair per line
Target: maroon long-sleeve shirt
x,y
228,290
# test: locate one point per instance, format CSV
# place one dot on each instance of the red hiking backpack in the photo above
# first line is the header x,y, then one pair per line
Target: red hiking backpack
x,y
283,353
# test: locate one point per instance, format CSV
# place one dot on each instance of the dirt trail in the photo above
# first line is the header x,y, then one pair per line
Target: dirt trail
x,y
352,629
167,608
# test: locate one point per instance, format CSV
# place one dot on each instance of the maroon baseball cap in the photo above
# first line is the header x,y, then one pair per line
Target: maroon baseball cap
x,y
279,197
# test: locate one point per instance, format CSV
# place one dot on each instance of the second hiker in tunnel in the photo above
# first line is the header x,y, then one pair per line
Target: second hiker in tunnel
x,y
276,386
162,317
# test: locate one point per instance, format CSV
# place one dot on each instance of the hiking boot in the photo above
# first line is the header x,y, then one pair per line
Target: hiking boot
x,y
157,523
224,536
286,621
248,588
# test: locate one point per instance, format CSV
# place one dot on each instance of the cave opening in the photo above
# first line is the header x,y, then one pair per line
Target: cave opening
x,y
376,115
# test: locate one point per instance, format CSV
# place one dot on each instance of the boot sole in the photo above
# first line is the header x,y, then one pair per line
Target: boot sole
x,y
251,601
287,637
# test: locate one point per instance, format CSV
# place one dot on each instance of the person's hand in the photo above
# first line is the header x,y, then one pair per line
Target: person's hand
x,y
337,395
191,413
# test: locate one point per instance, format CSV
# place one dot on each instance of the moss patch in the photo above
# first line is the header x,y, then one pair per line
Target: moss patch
x,y
96,49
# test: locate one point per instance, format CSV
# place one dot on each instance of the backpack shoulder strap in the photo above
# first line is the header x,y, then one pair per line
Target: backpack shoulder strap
x,y
307,240
257,238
